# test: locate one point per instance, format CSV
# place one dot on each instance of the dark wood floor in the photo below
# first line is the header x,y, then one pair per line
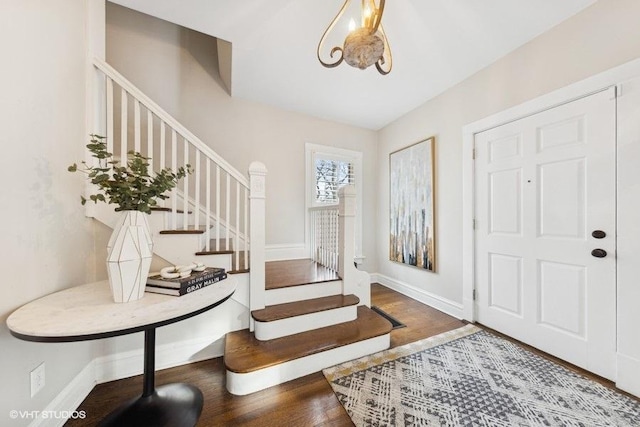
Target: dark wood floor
x,y
282,274
307,401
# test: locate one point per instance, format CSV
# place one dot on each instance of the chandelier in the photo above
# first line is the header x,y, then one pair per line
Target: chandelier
x,y
363,46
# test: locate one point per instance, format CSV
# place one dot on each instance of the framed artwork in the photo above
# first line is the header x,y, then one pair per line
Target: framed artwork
x,y
411,201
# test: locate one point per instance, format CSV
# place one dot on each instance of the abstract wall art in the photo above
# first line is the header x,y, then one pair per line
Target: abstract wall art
x,y
411,201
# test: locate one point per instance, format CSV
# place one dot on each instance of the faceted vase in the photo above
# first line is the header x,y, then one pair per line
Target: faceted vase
x,y
129,253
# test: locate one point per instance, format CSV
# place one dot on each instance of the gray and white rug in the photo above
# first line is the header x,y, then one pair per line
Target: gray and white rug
x,y
469,377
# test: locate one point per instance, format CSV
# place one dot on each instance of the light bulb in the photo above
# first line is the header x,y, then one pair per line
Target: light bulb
x,y
352,25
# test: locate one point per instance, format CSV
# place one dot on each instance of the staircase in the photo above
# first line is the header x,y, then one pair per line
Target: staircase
x,y
308,325
303,315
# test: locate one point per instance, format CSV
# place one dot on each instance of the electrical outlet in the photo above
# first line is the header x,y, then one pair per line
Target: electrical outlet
x,y
37,379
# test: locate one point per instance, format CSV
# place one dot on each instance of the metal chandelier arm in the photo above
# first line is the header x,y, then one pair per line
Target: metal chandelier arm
x,y
326,33
377,15
387,50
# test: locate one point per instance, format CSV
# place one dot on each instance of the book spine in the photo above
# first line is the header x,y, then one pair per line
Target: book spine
x,y
191,281
197,286
187,289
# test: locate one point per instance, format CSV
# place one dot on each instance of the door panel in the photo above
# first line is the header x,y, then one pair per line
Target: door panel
x,y
543,184
506,206
505,283
561,208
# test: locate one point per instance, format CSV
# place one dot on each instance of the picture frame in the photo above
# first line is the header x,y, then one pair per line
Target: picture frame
x,y
412,205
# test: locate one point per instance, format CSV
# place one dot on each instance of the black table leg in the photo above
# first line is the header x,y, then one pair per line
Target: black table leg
x,y
171,405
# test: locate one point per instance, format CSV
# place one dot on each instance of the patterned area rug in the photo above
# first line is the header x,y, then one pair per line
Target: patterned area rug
x,y
469,377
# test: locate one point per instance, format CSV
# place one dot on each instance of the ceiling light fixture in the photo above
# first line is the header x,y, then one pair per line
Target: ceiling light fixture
x,y
363,46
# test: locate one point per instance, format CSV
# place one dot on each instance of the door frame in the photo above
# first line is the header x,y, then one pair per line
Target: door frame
x,y
597,83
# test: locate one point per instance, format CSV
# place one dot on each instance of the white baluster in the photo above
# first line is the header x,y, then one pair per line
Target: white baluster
x,y
150,139
110,131
208,202
197,190
136,125
217,208
163,153
124,115
174,191
185,188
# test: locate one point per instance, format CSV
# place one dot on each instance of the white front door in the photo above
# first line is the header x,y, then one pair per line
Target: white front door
x,y
545,231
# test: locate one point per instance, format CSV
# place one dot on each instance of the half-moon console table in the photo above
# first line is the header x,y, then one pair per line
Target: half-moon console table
x,y
87,312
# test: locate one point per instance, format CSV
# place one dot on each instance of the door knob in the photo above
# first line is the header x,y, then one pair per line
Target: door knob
x,y
599,234
599,253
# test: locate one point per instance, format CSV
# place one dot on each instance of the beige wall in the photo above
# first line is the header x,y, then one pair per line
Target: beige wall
x,y
47,243
177,68
602,36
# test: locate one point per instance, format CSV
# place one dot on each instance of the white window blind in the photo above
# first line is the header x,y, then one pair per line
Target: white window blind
x,y
330,175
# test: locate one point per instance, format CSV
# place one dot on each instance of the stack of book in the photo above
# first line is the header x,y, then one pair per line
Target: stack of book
x,y
185,285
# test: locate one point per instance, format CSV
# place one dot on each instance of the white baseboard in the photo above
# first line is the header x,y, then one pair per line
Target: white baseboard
x,y
286,251
447,306
64,405
127,364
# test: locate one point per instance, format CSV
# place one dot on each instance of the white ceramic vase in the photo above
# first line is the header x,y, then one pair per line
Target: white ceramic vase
x,y
129,253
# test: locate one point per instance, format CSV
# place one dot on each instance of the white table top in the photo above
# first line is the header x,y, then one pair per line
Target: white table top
x,y
88,312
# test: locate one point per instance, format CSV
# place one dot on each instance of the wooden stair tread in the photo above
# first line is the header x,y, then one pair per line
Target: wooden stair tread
x,y
163,209
214,252
244,353
189,230
298,308
283,274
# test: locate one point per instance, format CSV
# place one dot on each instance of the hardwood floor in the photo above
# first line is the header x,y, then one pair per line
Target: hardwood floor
x,y
307,401
282,274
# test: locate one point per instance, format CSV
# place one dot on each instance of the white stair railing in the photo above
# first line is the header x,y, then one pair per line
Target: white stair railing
x,y
216,193
324,236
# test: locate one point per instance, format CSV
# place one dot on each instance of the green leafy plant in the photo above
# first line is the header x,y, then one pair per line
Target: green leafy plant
x,y
129,186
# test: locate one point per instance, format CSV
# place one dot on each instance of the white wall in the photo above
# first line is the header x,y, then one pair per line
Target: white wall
x,y
601,37
46,242
178,69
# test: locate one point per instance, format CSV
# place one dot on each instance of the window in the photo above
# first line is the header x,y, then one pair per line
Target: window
x,y
328,169
330,175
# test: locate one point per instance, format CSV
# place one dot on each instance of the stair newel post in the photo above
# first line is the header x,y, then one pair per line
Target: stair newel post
x,y
353,281
257,232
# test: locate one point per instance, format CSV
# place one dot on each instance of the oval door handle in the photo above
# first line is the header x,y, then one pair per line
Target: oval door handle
x,y
599,234
599,253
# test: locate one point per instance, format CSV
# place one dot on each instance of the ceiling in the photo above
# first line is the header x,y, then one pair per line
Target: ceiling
x,y
435,44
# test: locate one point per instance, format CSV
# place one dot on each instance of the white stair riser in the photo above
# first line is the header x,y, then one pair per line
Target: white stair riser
x,y
242,384
179,249
161,220
302,292
293,325
218,260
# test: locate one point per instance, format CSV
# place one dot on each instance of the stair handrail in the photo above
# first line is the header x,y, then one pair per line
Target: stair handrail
x,y
112,73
